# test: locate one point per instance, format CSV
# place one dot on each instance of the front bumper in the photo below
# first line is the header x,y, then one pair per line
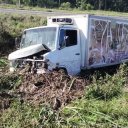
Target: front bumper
x,y
29,65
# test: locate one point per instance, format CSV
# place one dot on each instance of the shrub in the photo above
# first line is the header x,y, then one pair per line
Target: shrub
x,y
108,87
86,7
11,26
48,117
8,82
65,5
93,113
3,63
20,116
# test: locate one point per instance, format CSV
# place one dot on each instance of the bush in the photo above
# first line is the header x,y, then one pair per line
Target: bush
x,y
8,82
86,7
20,116
11,26
65,5
108,87
48,117
3,63
93,113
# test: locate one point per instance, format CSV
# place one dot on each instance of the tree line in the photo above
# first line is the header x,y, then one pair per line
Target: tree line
x,y
112,5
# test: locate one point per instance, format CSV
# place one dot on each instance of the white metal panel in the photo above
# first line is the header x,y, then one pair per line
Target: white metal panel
x,y
82,25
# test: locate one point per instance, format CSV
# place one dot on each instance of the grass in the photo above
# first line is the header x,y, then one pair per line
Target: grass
x,y
109,86
19,116
86,113
12,26
97,113
3,63
104,105
90,111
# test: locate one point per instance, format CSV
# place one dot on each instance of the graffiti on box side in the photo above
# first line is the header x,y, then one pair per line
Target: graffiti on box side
x,y
108,42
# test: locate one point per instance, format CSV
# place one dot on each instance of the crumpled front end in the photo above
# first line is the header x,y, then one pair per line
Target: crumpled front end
x,y
29,59
28,65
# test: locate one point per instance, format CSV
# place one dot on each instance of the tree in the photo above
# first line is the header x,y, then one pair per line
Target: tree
x,y
46,3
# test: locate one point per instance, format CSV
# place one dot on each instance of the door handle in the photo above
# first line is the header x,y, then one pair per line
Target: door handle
x,y
77,54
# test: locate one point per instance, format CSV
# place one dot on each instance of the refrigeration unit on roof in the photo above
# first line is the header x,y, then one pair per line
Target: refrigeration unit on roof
x,y
68,21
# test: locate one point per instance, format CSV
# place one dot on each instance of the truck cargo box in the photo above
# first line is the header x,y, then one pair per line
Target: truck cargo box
x,y
108,41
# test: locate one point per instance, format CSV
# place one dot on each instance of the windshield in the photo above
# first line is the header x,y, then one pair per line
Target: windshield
x,y
45,36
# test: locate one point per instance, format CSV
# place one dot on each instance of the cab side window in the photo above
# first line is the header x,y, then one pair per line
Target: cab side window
x,y
68,38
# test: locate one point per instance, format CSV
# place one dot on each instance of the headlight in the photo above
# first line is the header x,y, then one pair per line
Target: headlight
x,y
12,66
12,63
12,69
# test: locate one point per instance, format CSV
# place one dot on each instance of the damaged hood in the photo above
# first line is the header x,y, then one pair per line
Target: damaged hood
x,y
26,51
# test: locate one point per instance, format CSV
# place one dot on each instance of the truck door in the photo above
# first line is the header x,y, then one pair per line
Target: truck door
x,y
69,50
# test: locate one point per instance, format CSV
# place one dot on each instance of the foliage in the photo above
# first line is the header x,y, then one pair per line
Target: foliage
x,y
89,111
97,113
46,3
118,5
84,5
108,87
3,63
8,82
104,104
65,6
26,115
20,116
48,117
13,25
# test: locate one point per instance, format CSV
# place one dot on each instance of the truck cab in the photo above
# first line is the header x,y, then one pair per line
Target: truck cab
x,y
52,47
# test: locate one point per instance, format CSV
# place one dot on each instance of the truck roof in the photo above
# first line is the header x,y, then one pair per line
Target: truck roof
x,y
91,16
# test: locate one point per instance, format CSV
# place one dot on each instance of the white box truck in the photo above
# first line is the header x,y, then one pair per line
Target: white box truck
x,y
73,43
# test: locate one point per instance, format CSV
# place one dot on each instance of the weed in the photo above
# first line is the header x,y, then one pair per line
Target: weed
x,y
20,115
91,111
97,113
8,82
88,111
3,63
48,117
11,26
109,86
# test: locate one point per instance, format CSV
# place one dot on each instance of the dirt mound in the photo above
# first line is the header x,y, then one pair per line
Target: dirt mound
x,y
53,88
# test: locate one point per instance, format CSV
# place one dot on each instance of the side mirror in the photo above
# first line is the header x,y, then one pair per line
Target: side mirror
x,y
17,42
63,43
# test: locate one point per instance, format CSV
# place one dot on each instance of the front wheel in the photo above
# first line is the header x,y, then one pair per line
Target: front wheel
x,y
63,71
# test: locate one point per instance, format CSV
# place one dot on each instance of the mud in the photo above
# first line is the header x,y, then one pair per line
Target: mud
x,y
53,88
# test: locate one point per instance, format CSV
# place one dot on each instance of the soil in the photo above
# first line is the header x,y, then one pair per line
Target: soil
x,y
53,88
56,89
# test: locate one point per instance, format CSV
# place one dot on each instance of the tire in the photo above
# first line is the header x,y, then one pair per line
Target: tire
x,y
63,71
